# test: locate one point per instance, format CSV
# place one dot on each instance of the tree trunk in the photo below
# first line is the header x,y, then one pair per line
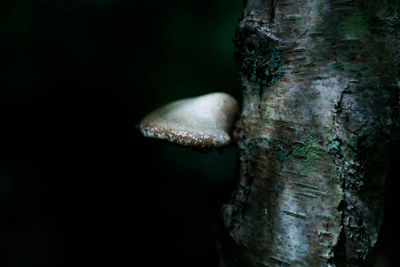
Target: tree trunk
x,y
319,118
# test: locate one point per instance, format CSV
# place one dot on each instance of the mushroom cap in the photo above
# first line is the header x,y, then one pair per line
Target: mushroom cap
x,y
201,122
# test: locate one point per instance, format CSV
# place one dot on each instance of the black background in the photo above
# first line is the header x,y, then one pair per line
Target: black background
x,y
78,183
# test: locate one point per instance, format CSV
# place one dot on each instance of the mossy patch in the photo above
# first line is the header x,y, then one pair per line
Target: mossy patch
x,y
265,71
308,151
335,146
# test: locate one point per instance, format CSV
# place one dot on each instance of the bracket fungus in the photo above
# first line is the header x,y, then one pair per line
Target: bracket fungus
x,y
203,122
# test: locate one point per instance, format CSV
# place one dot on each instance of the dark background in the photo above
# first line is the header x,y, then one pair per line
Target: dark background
x,y
78,183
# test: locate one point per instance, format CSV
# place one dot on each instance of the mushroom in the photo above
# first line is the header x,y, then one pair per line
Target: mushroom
x,y
203,122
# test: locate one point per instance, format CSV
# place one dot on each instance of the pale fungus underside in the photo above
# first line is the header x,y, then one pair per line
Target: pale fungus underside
x,y
203,122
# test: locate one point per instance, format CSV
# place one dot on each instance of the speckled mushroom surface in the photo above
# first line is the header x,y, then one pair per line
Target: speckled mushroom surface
x,y
203,122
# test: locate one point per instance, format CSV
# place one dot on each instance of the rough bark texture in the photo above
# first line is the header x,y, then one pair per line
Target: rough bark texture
x,y
319,118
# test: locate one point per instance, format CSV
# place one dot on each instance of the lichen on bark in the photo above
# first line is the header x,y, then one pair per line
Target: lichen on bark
x,y
320,115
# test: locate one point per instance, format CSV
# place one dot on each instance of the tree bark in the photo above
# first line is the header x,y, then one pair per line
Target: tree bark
x,y
320,116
